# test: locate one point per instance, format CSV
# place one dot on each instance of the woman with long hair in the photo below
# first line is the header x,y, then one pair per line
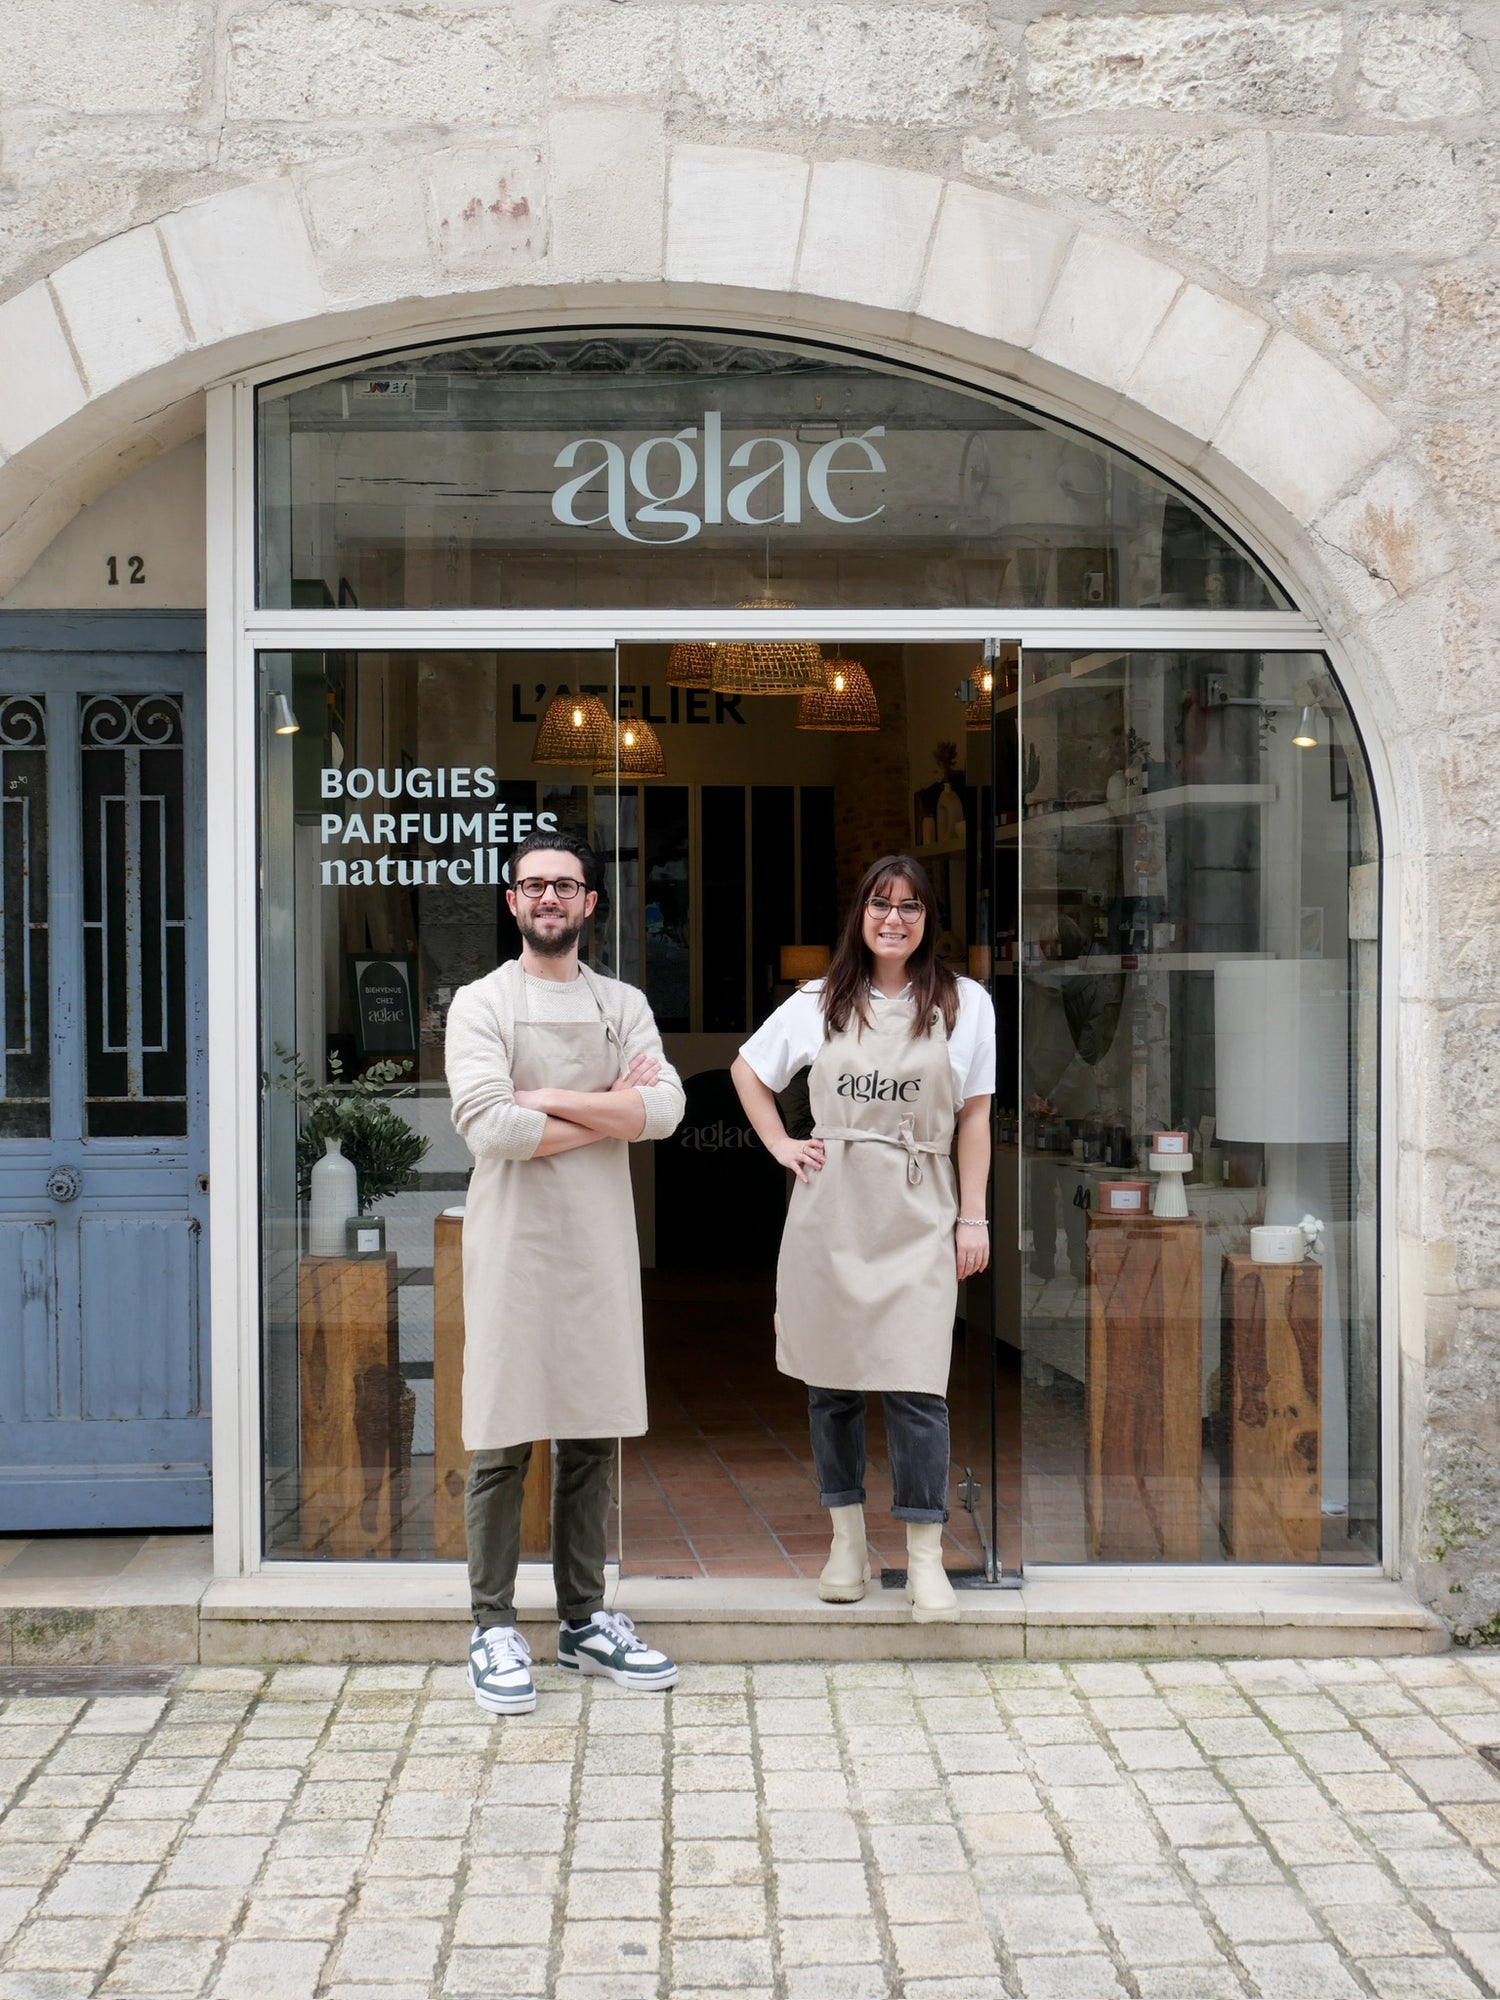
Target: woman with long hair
x,y
880,1229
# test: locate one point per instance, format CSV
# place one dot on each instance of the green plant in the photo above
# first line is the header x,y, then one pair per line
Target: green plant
x,y
378,1143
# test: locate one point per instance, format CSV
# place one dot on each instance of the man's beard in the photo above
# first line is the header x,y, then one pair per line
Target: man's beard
x,y
550,944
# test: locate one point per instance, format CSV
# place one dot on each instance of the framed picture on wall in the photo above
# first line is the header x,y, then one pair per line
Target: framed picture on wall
x,y
383,993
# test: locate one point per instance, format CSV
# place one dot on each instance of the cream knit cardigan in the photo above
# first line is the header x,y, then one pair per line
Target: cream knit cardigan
x,y
481,1036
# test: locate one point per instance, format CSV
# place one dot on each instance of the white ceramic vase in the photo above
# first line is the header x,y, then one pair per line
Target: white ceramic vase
x,y
950,813
335,1197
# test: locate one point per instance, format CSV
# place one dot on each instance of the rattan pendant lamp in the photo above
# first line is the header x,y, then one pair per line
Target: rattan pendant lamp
x,y
767,666
845,705
690,664
636,752
575,729
981,710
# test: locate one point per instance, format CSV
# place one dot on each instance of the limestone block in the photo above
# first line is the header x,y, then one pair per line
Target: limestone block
x,y
1455,334
734,216
369,231
1465,912
1356,316
1416,66
867,232
1302,429
488,208
120,308
1393,527
870,64
60,216
1204,59
1440,650
1196,359
604,51
1466,800
1199,193
41,145
243,260
1104,308
992,265
39,382
297,59
1335,193
1462,455
132,55
606,187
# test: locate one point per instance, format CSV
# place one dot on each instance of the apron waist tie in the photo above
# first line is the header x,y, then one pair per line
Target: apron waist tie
x,y
904,1137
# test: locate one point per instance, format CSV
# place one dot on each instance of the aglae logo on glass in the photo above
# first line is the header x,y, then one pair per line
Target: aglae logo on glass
x,y
873,1088
652,487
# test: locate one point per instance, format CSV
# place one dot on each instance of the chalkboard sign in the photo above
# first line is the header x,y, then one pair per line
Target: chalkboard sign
x,y
383,990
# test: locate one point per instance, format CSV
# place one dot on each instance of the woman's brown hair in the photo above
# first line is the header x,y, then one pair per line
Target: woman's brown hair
x,y
846,983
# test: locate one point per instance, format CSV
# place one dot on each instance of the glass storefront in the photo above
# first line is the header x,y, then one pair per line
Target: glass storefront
x,y
1164,864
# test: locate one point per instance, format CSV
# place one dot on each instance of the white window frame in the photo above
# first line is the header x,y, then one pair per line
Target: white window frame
x,y
236,631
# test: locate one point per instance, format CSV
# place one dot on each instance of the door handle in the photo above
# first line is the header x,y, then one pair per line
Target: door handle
x,y
64,1183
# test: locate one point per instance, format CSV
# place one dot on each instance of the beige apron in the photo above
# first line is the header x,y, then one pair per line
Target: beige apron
x,y
866,1287
553,1346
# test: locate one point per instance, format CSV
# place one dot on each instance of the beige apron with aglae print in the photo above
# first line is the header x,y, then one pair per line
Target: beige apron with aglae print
x,y
866,1287
553,1344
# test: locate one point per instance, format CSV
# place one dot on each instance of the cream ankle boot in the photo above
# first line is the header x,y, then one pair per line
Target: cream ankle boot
x,y
928,1591
847,1569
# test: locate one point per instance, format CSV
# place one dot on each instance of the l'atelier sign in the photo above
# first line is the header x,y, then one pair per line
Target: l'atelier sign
x,y
620,489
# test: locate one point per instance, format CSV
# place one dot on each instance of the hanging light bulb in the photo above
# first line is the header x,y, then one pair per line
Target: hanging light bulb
x,y
1306,737
575,729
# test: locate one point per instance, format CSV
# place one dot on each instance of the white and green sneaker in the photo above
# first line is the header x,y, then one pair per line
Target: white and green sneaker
x,y
610,1645
500,1671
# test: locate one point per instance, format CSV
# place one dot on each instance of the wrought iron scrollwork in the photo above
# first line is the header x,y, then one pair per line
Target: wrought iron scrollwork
x,y
23,722
118,721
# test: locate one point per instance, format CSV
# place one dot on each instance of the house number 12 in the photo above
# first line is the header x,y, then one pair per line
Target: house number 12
x,y
135,568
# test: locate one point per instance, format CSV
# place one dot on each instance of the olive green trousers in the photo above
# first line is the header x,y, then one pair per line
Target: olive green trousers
x,y
581,1472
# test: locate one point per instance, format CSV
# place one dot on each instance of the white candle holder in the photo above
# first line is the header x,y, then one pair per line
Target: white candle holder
x,y
1169,1199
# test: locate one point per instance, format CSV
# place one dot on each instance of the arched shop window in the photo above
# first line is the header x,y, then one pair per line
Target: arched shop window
x,y
1161,853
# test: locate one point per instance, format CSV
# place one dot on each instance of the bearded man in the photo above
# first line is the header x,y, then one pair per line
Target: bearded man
x,y
553,1071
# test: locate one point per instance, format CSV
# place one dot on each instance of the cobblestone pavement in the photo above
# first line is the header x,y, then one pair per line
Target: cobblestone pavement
x,y
946,1832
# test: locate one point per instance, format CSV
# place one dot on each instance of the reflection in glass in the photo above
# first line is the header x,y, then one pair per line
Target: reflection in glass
x,y
1197,968
628,467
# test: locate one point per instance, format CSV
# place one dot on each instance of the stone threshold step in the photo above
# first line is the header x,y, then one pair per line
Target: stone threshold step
x,y
332,1613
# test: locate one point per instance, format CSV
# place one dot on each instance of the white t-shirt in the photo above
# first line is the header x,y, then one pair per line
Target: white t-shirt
x,y
790,1039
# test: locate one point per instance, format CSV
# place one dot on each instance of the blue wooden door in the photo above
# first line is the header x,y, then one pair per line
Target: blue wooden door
x,y
103,1190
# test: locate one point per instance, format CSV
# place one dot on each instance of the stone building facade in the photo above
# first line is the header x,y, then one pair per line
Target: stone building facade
x,y
1256,244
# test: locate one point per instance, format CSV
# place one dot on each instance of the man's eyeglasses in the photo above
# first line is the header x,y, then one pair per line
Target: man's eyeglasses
x,y
565,888
908,911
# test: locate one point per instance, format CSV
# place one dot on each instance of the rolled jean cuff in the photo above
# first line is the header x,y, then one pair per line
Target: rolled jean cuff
x,y
855,1497
919,1515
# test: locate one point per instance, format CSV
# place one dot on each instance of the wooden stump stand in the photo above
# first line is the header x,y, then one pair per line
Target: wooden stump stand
x,y
351,1395
450,1460
1143,1388
1272,1479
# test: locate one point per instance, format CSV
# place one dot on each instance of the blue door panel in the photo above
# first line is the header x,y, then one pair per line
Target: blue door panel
x,y
103,1193
139,1318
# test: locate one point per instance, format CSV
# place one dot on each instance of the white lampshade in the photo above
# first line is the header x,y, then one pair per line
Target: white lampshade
x,y
1281,1040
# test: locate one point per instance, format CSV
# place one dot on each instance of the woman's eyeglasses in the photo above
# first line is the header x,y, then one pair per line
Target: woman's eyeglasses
x,y
565,888
908,911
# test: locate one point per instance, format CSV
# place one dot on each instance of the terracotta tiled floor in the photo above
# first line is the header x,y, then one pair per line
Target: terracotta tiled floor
x,y
723,1484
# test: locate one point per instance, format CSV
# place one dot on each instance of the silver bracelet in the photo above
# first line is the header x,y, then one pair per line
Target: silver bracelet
x,y
972,1221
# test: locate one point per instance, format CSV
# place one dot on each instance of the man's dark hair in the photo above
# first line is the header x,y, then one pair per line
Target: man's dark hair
x,y
557,843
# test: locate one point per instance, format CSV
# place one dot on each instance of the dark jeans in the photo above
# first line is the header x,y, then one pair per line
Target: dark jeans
x,y
580,1527
916,1434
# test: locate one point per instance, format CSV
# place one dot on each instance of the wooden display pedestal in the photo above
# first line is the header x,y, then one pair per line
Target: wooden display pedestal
x,y
351,1404
450,1460
1272,1479
1143,1388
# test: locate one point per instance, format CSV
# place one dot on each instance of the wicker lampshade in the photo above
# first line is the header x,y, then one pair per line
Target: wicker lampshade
x,y
691,664
637,752
845,703
767,666
978,715
576,729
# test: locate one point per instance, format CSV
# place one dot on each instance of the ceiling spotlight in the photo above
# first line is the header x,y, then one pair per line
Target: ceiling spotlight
x,y
1306,737
283,720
